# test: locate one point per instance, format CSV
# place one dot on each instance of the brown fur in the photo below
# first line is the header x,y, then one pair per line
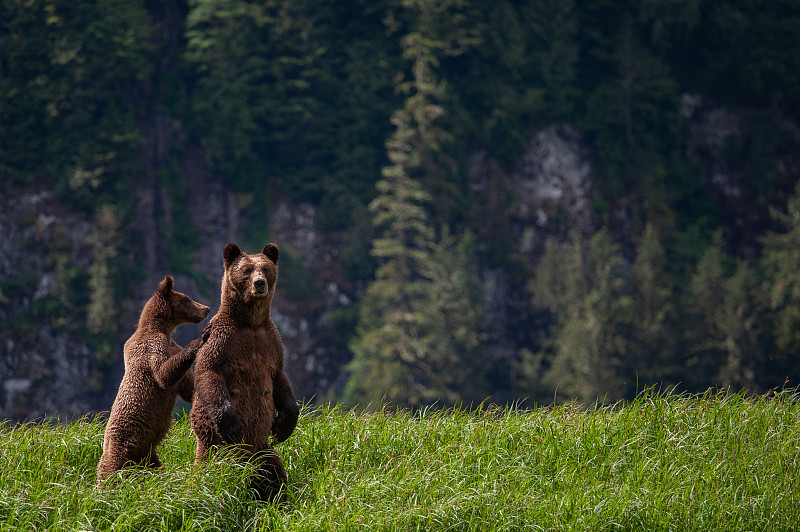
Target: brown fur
x,y
242,394
156,370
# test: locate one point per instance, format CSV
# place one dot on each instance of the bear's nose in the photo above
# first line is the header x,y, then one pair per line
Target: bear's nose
x,y
260,284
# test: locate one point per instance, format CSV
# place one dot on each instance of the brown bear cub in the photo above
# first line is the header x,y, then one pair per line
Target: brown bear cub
x,y
242,394
156,370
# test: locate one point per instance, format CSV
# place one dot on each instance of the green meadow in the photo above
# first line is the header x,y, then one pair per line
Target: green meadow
x,y
716,461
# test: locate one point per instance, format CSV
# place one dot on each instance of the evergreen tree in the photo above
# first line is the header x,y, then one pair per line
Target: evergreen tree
x,y
779,263
69,78
452,313
103,308
583,285
296,92
24,99
235,49
388,346
741,323
653,316
631,105
412,344
724,317
521,74
438,30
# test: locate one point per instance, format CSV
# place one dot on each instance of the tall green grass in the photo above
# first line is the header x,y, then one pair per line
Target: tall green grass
x,y
661,462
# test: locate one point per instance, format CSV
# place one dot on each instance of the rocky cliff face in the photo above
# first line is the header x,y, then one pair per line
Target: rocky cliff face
x,y
44,370
542,198
314,362
732,145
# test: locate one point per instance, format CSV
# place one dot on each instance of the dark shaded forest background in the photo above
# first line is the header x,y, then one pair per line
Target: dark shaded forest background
x,y
393,134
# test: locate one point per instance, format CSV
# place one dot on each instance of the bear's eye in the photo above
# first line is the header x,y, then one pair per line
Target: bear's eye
x,y
248,271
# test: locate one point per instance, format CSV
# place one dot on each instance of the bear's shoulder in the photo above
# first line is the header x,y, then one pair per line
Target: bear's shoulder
x,y
144,349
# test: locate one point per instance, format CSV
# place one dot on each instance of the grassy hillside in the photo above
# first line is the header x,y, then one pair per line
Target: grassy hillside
x,y
662,462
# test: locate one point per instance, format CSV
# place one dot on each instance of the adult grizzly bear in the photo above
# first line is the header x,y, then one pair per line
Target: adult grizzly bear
x,y
156,370
242,394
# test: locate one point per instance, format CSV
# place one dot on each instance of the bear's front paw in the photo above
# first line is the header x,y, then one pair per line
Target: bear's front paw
x,y
279,430
284,424
229,428
193,346
206,332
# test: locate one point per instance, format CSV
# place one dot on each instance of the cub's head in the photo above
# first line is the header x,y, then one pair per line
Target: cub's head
x,y
251,276
177,308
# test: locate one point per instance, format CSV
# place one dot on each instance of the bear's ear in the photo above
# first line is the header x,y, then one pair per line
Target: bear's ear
x,y
230,253
271,251
165,286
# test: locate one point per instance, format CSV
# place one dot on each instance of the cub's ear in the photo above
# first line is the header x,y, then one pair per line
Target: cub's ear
x,y
230,253
271,251
165,286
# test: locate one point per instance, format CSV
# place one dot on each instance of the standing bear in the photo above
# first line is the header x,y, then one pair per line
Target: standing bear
x,y
242,394
157,369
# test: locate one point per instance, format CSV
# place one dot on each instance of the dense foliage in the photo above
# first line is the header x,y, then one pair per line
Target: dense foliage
x,y
676,283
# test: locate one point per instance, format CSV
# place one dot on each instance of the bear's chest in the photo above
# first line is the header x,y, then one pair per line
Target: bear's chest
x,y
253,361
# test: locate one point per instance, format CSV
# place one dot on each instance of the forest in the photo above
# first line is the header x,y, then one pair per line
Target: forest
x,y
684,273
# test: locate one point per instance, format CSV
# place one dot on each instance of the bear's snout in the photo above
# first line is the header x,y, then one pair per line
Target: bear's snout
x,y
201,312
260,285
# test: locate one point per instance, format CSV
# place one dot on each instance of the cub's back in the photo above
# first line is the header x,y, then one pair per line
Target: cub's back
x,y
141,407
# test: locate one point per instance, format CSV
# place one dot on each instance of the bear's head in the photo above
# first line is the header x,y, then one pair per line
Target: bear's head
x,y
175,308
250,277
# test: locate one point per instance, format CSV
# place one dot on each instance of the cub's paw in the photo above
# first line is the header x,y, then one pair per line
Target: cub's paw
x,y
193,346
206,331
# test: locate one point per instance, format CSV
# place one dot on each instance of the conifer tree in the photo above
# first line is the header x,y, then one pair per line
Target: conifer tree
x,y
452,312
779,263
523,73
387,350
653,312
630,115
411,340
725,319
102,311
581,283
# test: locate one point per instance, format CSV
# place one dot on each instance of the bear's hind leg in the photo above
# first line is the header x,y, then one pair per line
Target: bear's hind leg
x,y
270,476
105,469
110,464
